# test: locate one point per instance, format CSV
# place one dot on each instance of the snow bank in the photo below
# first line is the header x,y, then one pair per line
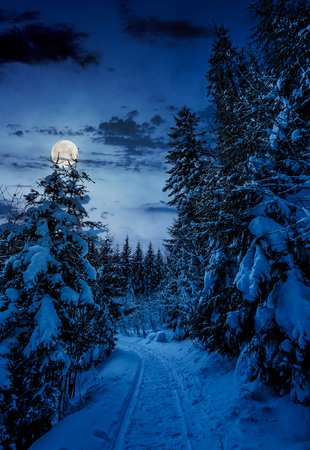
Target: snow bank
x,y
221,410
96,426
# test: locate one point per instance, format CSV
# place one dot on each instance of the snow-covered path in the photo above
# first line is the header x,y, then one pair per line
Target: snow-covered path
x,y
155,417
171,395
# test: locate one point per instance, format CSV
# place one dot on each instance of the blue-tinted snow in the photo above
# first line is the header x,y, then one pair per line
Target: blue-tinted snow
x,y
178,397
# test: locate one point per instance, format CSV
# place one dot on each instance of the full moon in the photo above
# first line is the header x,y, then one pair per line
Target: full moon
x,y
65,153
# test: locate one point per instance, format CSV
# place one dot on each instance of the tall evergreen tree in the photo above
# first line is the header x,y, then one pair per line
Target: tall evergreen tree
x,y
185,159
159,267
151,277
138,271
49,321
126,260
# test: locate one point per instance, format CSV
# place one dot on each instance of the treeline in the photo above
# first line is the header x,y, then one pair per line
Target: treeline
x,y
239,250
125,272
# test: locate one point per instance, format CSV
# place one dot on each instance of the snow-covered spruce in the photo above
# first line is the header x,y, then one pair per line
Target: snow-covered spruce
x,y
187,159
256,298
51,326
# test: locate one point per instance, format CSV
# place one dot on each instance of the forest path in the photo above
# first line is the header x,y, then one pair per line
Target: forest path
x,y
153,395
160,414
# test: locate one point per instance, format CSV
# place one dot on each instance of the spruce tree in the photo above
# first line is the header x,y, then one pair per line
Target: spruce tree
x,y
151,276
186,159
257,275
126,256
138,271
48,318
159,267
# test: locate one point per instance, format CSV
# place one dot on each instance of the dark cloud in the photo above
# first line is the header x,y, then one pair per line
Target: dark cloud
x,y
90,129
171,108
158,208
129,134
26,165
37,43
53,131
135,145
132,114
127,127
13,126
19,133
104,215
154,30
110,69
157,120
14,17
158,98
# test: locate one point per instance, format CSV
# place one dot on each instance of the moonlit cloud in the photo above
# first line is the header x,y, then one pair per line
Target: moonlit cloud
x,y
130,135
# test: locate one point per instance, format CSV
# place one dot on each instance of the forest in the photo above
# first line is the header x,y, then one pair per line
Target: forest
x,y
235,274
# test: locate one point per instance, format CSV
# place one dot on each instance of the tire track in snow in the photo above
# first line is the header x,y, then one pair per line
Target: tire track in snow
x,y
155,417
118,444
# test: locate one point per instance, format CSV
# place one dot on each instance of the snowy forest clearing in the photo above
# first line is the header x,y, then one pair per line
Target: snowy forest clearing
x,y
172,395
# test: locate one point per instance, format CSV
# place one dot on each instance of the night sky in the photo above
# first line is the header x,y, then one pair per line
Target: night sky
x,y
109,76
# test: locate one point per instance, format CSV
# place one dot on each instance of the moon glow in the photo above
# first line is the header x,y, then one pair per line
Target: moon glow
x,y
65,153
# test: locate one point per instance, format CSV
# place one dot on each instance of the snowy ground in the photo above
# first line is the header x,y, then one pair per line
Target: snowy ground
x,y
171,395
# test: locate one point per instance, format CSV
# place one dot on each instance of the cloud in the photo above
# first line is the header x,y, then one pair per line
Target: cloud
x,y
19,133
14,17
171,108
129,134
104,215
135,146
154,30
47,131
37,43
158,98
157,120
53,131
160,207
